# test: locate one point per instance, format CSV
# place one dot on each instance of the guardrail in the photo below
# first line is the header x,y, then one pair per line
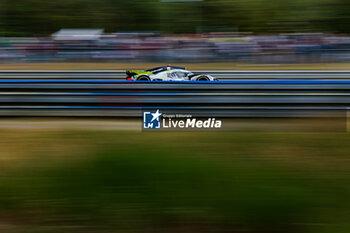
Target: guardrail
x,y
222,75
238,98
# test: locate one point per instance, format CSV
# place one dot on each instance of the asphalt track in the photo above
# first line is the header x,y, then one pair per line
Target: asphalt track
x,y
237,94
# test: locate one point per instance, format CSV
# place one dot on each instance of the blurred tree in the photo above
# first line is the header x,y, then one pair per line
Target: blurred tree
x,y
36,17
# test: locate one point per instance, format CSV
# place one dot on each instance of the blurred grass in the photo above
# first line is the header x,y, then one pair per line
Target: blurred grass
x,y
110,181
189,66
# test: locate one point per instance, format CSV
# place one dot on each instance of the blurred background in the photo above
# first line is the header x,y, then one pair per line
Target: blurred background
x,y
255,31
95,173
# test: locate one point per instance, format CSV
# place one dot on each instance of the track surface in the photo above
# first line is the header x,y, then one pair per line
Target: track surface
x,y
239,94
222,75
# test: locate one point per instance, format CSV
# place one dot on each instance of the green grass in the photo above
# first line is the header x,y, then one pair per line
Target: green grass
x,y
178,182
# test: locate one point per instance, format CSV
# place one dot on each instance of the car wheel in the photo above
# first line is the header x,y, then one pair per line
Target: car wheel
x,y
203,78
143,78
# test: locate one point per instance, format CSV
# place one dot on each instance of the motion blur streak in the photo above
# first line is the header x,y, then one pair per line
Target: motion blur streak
x,y
223,75
74,157
112,181
97,46
250,97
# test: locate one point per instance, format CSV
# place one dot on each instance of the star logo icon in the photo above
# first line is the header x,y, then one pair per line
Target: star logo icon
x,y
151,120
156,115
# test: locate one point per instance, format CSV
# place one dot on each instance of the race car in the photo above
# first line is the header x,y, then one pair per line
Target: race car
x,y
167,73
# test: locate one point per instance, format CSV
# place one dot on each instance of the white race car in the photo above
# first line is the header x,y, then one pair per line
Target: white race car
x,y
167,73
